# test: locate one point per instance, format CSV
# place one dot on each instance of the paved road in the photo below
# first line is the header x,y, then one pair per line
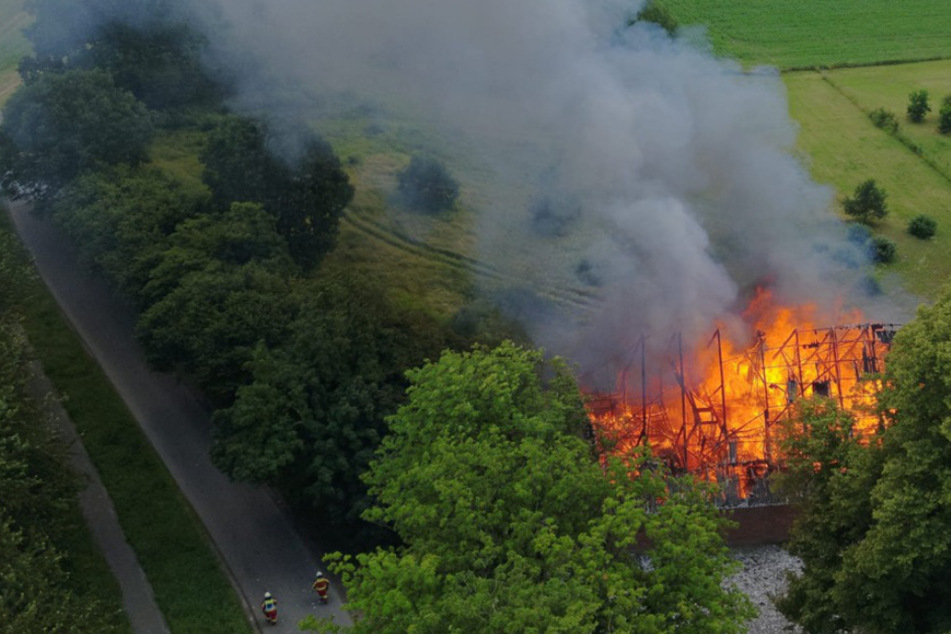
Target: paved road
x,y
255,536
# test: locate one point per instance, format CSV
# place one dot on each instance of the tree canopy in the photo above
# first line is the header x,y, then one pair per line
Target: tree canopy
x,y
867,203
306,191
63,124
918,106
510,523
311,417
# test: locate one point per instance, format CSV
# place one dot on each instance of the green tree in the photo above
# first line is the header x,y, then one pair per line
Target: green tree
x,y
875,538
121,219
884,119
828,474
64,124
220,288
944,116
897,577
313,414
306,195
511,524
867,203
160,63
918,106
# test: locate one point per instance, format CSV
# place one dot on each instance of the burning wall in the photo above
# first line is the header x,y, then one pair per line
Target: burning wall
x,y
712,410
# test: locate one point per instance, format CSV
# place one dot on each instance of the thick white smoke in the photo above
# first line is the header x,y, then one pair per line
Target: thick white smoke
x,y
668,171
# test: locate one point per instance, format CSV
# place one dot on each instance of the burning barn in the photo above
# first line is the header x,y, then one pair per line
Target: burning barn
x,y
713,410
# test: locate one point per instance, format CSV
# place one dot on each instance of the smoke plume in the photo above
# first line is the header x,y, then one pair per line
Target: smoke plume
x,y
607,157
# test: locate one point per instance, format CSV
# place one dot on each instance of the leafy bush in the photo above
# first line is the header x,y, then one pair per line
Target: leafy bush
x,y
918,106
883,250
944,116
427,185
922,227
884,119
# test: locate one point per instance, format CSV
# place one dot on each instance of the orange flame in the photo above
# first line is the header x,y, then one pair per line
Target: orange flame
x,y
712,410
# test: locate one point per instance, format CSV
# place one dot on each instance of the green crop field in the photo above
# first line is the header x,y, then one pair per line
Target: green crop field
x,y
842,148
806,33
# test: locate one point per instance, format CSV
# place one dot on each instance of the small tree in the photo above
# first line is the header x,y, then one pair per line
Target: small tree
x,y
884,119
867,203
883,250
944,116
426,184
918,106
922,227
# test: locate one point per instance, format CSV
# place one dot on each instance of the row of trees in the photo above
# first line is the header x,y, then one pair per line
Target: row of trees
x,y
300,362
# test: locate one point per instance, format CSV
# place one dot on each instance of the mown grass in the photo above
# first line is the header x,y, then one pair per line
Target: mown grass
x,y
190,587
889,87
842,147
807,33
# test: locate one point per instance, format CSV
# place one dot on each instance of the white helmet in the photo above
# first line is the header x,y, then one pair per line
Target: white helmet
x,y
267,595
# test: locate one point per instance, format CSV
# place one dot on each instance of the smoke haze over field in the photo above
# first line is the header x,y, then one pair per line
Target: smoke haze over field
x,y
678,168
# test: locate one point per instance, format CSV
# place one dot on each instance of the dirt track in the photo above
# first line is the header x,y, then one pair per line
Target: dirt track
x,y
256,538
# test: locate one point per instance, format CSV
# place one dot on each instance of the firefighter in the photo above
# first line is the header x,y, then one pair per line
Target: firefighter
x,y
321,585
269,607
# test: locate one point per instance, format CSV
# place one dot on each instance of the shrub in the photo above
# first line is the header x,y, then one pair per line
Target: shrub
x,y
884,119
944,116
883,250
427,185
922,227
918,106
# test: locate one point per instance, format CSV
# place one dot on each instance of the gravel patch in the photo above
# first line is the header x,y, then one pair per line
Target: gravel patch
x,y
764,575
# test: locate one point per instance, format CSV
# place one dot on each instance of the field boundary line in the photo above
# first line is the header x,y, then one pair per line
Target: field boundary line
x,y
907,143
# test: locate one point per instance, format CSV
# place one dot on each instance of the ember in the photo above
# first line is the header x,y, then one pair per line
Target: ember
x,y
712,410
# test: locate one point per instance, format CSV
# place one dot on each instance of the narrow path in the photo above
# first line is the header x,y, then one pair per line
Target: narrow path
x,y
256,538
100,515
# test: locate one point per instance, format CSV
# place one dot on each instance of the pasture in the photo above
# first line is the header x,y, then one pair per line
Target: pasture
x,y
841,147
821,33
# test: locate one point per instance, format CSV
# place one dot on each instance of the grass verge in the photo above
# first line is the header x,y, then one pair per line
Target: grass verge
x,y
172,546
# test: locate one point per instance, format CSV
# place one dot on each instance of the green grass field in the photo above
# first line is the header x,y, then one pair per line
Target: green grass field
x,y
842,148
807,33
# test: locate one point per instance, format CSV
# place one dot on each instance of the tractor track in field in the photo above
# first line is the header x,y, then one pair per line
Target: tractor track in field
x,y
575,298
